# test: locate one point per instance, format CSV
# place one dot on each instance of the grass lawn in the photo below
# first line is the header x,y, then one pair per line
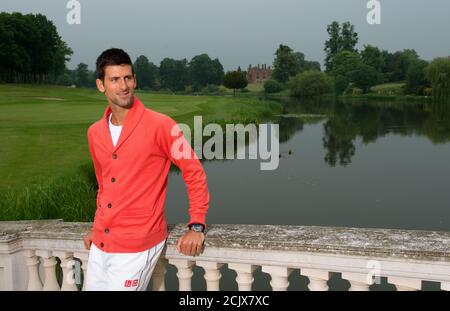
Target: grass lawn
x,y
255,87
252,87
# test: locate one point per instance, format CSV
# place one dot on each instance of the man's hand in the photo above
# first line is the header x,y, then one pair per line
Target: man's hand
x,y
191,243
87,240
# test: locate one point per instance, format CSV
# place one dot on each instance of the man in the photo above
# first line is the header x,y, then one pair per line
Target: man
x,y
131,147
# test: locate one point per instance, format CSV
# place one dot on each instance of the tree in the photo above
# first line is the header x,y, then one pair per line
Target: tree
x,y
309,84
388,66
286,64
61,57
395,65
416,81
234,80
14,58
364,76
349,38
82,75
332,45
402,60
218,75
340,39
31,49
438,73
312,65
204,71
345,62
304,64
372,56
146,72
174,74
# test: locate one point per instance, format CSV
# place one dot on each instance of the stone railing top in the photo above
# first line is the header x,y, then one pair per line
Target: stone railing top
x,y
404,244
46,229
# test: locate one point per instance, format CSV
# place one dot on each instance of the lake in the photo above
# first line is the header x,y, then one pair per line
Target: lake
x,y
360,164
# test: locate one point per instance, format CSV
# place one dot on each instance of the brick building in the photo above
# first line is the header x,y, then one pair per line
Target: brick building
x,y
258,74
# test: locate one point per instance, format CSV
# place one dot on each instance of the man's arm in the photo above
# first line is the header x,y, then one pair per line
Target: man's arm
x,y
194,176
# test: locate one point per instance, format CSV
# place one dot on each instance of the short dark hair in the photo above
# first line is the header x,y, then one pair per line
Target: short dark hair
x,y
112,57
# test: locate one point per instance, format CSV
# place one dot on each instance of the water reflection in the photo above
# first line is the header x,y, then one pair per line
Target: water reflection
x,y
346,121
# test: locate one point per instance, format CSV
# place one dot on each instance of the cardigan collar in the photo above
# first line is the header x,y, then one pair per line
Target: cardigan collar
x,y
132,119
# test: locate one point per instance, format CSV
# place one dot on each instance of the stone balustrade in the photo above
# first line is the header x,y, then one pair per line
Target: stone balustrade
x,y
50,255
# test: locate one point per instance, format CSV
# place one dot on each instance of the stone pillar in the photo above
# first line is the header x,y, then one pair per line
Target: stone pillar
x,y
84,257
317,279
32,261
244,277
50,282
405,284
67,266
184,273
279,276
358,281
212,274
159,275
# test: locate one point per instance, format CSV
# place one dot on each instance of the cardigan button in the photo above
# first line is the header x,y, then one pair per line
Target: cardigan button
x,y
113,179
109,205
101,244
114,156
106,230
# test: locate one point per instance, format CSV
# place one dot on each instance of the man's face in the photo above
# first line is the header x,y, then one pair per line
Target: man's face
x,y
118,85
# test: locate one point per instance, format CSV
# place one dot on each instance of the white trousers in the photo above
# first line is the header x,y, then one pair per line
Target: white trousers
x,y
121,271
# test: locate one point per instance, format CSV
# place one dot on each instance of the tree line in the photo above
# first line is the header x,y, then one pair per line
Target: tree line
x,y
349,71
172,74
31,50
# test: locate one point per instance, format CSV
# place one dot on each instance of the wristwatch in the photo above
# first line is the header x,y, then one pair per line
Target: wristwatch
x,y
197,227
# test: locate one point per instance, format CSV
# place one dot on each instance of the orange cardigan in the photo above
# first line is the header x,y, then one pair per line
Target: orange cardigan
x,y
132,180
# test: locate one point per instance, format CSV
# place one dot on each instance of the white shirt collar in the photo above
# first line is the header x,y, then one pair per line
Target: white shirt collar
x,y
110,121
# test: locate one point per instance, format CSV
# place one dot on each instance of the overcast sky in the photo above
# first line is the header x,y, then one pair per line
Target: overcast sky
x,y
239,32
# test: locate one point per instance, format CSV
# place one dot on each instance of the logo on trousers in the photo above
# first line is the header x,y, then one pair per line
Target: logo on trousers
x,y
131,283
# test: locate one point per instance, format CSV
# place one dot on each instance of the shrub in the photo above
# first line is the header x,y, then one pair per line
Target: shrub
x,y
272,86
310,83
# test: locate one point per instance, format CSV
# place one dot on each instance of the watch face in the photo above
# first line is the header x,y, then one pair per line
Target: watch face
x,y
197,227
